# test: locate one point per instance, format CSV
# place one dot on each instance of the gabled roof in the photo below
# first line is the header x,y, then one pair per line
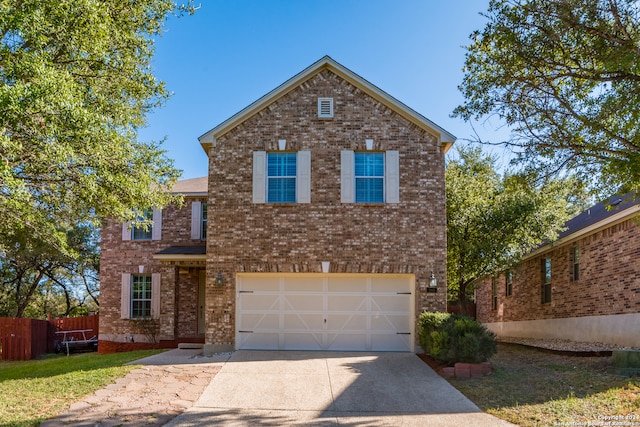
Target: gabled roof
x,y
445,138
599,216
191,187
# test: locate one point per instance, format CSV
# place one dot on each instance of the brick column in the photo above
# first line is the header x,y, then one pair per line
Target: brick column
x,y
168,302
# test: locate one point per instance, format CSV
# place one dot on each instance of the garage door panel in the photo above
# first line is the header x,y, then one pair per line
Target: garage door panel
x,y
347,284
259,341
303,341
303,303
260,302
389,342
250,322
350,342
391,323
303,322
390,303
263,284
346,303
389,284
347,322
304,284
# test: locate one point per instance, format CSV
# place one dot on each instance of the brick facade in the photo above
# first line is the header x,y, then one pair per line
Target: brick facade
x,y
608,285
408,237
179,283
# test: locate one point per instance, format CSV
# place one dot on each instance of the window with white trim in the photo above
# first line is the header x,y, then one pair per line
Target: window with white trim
x,y
203,222
141,296
141,232
369,177
575,263
281,177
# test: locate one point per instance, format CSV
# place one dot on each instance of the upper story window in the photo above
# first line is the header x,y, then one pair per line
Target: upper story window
x,y
203,229
153,230
509,282
281,177
369,177
545,271
575,263
142,232
494,293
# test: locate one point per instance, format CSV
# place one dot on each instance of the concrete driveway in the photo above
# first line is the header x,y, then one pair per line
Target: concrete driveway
x,y
275,388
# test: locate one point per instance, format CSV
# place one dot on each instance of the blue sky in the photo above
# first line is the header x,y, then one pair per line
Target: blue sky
x,y
230,53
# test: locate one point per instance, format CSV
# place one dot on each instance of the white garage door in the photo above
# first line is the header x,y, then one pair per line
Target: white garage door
x,y
325,312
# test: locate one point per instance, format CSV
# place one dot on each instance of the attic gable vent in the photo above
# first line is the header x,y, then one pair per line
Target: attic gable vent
x,y
325,107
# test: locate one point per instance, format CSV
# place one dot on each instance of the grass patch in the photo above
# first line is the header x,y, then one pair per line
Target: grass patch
x,y
535,388
35,390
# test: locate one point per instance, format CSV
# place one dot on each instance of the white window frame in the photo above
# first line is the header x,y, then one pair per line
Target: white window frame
x,y
126,296
198,220
391,176
156,228
303,177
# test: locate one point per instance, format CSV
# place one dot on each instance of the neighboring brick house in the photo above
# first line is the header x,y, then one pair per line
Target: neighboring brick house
x,y
583,287
326,227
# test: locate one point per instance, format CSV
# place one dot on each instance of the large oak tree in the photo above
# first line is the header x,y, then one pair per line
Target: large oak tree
x,y
494,219
565,75
75,86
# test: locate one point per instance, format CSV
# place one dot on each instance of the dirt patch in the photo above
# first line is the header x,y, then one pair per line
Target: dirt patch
x,y
147,396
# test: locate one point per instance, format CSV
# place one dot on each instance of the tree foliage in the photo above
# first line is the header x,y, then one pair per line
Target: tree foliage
x,y
75,86
493,219
565,75
37,279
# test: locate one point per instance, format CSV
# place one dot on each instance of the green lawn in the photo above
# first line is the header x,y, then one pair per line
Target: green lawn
x,y
35,390
534,388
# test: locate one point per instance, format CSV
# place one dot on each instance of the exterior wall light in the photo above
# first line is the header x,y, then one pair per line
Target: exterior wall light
x,y
220,279
433,283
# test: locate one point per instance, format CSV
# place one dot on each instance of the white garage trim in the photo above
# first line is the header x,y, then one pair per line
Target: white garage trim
x,y
320,311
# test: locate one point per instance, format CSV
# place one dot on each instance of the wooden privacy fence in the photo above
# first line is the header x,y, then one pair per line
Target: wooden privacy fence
x,y
26,339
468,309
23,339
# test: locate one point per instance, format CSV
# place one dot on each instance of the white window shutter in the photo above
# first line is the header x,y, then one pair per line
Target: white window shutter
x,y
392,177
125,296
259,177
155,295
156,230
196,219
303,178
126,231
347,176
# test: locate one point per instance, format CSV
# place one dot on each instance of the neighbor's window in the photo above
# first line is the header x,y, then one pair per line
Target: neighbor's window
x,y
281,177
509,282
546,280
203,219
575,263
369,176
140,232
494,293
141,296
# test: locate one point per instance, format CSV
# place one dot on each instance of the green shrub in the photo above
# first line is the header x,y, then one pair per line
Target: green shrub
x,y
451,338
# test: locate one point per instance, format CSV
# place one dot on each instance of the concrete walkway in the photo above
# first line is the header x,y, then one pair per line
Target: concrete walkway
x,y
273,388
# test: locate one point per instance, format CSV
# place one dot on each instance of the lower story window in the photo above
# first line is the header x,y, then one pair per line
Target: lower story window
x,y
140,296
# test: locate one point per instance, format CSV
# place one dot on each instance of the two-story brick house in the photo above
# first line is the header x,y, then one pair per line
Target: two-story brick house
x,y
585,286
325,229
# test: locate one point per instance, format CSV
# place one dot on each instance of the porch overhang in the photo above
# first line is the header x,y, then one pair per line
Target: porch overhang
x,y
182,253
